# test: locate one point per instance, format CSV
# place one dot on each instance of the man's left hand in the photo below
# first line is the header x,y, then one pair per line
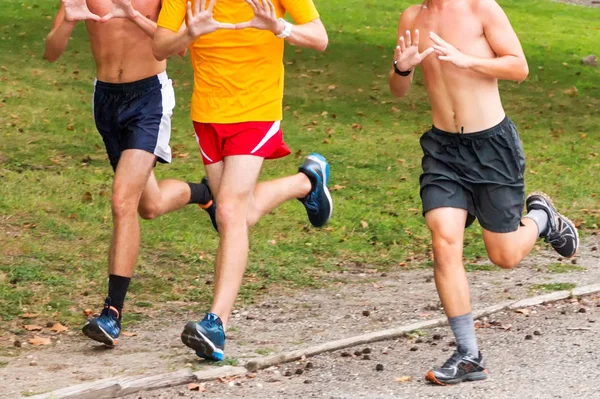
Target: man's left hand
x,y
265,17
449,53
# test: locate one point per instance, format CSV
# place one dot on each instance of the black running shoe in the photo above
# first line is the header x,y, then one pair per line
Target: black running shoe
x,y
561,233
460,367
210,206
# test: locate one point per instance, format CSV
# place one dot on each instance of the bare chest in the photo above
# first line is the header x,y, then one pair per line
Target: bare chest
x,y
148,8
457,25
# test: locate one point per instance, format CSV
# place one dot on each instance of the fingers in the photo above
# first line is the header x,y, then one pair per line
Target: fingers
x,y
401,44
107,17
440,50
408,40
95,17
426,53
437,40
444,58
189,13
199,6
416,39
271,8
211,5
252,5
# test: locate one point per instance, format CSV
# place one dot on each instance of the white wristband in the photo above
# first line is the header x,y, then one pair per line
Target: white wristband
x,y
287,29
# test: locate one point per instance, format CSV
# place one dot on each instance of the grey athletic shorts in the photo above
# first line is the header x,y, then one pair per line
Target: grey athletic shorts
x,y
481,172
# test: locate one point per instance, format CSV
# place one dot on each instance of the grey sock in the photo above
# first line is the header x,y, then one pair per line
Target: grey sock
x,y
463,328
540,218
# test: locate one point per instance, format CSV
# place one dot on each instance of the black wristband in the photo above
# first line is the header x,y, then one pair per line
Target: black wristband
x,y
399,72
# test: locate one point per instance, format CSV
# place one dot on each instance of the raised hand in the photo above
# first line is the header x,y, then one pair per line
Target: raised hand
x,y
201,21
407,54
120,9
447,52
265,17
77,10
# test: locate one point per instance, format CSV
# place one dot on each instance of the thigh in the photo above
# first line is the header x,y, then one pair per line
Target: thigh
x,y
238,178
446,222
214,171
132,174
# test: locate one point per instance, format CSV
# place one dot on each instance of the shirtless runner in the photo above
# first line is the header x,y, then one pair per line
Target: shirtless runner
x,y
473,161
236,110
133,104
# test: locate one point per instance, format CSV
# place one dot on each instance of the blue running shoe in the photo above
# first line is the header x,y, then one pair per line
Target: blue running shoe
x,y
106,328
211,206
318,202
206,337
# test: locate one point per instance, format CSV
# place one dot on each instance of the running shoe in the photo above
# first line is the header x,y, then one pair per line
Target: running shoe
x,y
206,337
318,202
460,367
105,328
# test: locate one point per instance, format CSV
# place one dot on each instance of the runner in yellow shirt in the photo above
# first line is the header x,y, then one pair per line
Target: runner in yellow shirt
x,y
237,55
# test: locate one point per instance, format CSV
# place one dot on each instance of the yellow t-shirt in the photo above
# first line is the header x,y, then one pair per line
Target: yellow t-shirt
x,y
238,74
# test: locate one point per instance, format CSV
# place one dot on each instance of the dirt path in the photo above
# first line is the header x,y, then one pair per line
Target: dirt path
x,y
534,355
587,3
363,302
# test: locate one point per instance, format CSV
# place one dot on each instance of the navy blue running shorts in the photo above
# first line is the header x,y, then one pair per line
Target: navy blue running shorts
x,y
135,115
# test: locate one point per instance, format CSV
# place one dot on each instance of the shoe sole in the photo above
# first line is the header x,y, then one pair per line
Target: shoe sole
x,y
95,332
194,339
549,200
323,165
476,376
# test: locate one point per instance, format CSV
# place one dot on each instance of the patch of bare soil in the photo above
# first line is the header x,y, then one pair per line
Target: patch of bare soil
x,y
587,3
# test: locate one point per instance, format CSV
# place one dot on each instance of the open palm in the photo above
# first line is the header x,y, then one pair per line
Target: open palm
x,y
265,17
77,10
200,19
407,54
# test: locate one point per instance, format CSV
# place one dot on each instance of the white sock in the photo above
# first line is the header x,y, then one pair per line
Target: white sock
x,y
540,218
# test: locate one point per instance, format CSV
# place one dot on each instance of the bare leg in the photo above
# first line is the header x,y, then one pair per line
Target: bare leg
x,y
447,227
160,197
233,196
508,249
270,194
133,171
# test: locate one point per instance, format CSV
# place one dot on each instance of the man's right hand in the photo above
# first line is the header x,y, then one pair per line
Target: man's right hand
x,y
201,22
407,54
77,10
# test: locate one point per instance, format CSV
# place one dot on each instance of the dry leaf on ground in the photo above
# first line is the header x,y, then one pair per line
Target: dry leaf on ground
x,y
404,378
57,327
36,340
32,327
29,315
128,334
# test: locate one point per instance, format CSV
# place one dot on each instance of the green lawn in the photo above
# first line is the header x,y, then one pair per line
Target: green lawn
x,y
55,220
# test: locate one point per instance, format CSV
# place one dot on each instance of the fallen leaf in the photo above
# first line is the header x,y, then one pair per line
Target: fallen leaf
x,y
39,341
337,187
128,334
404,378
184,155
364,224
525,312
87,197
197,387
57,327
29,315
88,312
572,91
32,327
331,87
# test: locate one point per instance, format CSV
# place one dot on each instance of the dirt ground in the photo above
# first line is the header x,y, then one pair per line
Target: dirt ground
x,y
551,352
364,301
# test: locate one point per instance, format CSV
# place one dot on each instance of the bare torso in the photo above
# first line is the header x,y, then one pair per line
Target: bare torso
x,y
123,52
461,99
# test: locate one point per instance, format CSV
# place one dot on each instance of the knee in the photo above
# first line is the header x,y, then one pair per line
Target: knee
x,y
231,214
446,243
122,206
148,212
504,259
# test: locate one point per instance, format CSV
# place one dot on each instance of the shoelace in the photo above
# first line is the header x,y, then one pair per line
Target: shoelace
x,y
311,203
456,357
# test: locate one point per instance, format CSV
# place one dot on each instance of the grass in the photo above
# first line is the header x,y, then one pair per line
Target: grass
x,y
473,267
554,286
55,221
565,268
